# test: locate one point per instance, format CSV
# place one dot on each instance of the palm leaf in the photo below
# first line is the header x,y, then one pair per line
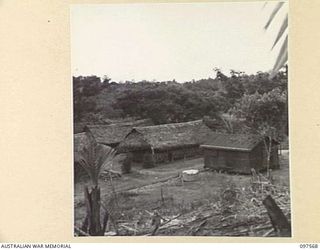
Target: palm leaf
x,y
107,163
96,158
281,31
283,53
105,158
273,14
281,59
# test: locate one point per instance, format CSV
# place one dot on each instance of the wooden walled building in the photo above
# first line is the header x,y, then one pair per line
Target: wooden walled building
x,y
166,143
238,153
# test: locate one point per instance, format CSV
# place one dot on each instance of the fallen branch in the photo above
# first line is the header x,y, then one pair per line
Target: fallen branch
x,y
195,229
129,228
268,233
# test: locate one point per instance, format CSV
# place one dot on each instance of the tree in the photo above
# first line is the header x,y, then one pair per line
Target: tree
x,y
96,159
268,132
234,86
84,89
258,109
106,80
263,114
219,74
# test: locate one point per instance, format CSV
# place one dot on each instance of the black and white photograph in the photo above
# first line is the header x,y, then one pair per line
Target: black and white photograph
x,y
180,119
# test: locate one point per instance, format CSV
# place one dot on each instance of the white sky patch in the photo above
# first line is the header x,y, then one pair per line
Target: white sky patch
x,y
165,41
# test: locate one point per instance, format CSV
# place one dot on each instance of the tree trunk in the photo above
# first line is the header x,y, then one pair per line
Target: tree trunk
x,y
92,223
268,147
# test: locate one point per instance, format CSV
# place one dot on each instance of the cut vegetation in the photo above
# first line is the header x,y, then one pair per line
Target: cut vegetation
x,y
216,203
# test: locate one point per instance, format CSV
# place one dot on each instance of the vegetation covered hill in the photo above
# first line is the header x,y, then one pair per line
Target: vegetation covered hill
x,y
238,103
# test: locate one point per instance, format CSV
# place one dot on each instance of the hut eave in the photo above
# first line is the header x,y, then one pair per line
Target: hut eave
x,y
225,148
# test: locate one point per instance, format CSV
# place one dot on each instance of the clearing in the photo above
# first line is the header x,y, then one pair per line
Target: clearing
x,y
215,204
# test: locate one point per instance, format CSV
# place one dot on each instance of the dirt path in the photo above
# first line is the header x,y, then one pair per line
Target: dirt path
x,y
144,188
141,177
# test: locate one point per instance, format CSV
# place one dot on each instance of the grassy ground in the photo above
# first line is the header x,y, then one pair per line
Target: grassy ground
x,y
160,189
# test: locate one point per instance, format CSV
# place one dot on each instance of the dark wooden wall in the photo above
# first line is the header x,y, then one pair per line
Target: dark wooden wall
x,y
170,155
241,162
231,161
258,157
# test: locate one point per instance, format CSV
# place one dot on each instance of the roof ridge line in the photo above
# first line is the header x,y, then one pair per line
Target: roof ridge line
x,y
168,124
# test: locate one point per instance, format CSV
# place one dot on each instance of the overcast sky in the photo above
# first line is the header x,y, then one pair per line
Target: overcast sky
x,y
181,41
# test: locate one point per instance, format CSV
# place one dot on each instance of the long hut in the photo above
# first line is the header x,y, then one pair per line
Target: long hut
x,y
239,153
112,135
166,142
79,127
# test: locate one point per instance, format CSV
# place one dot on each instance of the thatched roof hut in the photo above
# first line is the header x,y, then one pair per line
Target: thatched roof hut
x,y
113,134
109,135
239,152
166,136
79,127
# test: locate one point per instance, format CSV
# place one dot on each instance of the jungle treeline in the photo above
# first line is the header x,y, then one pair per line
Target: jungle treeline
x,y
237,103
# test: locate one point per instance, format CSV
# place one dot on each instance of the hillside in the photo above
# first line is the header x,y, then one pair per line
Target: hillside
x,y
251,100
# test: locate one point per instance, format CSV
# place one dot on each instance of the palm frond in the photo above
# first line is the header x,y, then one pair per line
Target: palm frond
x,y
283,53
108,160
282,62
95,158
281,59
87,167
103,152
273,14
281,31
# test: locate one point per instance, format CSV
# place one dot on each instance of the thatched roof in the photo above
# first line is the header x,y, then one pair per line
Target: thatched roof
x,y
235,142
109,134
141,122
166,136
79,127
114,133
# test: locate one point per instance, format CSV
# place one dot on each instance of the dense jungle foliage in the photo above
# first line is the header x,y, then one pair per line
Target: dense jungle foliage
x,y
238,103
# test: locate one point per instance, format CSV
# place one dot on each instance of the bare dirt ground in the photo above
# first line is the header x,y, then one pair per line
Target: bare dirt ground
x,y
139,194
